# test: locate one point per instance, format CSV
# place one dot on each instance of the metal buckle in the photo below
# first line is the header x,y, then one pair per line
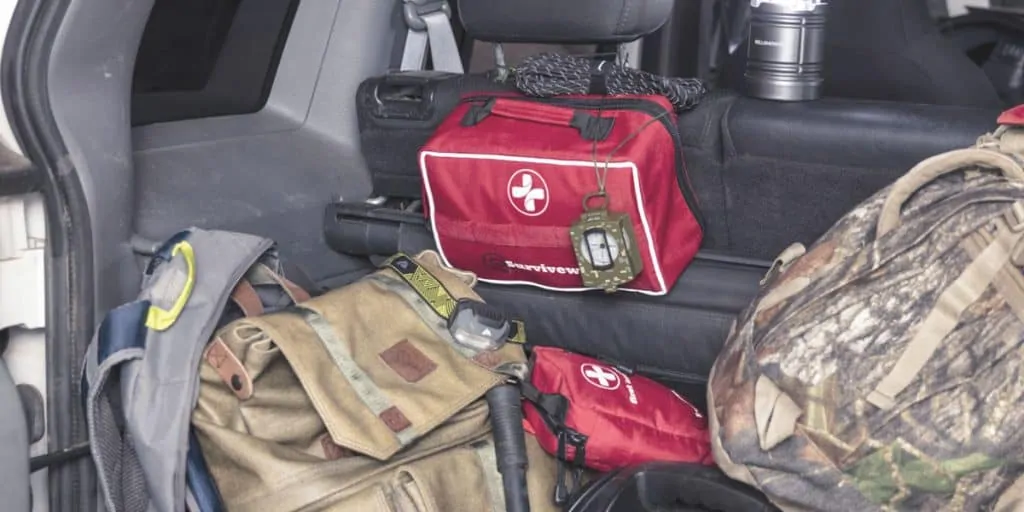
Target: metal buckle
x,y
414,10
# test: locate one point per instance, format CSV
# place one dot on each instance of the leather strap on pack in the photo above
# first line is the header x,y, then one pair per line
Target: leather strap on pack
x,y
951,304
260,274
434,293
248,300
245,297
230,369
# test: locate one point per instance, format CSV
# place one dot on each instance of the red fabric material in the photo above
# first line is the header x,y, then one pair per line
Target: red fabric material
x,y
1014,116
502,194
629,419
532,112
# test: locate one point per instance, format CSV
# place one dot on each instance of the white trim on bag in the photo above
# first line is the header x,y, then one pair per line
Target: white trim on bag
x,y
567,163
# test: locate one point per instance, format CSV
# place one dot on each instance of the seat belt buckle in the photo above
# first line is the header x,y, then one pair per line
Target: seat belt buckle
x,y
414,10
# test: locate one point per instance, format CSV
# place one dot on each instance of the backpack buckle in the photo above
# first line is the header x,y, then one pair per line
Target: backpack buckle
x,y
565,488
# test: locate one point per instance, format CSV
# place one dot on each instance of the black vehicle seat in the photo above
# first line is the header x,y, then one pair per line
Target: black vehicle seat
x,y
573,22
772,173
891,50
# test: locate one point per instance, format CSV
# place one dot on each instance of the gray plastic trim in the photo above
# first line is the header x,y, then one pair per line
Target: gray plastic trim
x,y
273,172
89,85
290,97
14,473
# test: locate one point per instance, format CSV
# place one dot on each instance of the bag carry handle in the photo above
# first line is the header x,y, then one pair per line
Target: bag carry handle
x,y
591,127
934,167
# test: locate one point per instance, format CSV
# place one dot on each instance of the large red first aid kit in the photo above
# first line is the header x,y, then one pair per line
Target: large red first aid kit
x,y
597,416
505,177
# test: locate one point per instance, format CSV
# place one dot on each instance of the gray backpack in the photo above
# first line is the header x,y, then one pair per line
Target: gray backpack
x,y
141,370
883,368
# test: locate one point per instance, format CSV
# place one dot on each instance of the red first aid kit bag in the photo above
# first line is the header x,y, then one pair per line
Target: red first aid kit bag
x,y
505,177
593,415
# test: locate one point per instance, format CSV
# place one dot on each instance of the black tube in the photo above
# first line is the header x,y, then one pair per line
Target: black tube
x,y
366,230
66,455
510,445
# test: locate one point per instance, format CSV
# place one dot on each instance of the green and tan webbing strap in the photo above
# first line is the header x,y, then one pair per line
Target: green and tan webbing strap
x,y
489,462
943,318
367,391
434,293
1009,281
436,324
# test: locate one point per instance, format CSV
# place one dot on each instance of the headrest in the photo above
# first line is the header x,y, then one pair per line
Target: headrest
x,y
562,21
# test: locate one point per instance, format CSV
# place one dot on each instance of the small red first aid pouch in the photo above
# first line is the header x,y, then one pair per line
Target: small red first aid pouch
x,y
592,415
505,178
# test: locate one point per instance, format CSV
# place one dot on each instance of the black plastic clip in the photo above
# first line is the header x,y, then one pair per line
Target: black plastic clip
x,y
564,490
592,127
477,113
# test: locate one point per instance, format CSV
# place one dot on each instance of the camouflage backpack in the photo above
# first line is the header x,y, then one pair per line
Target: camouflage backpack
x,y
882,368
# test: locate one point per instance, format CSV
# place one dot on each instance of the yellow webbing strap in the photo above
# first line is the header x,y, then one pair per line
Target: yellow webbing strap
x,y
162,319
434,293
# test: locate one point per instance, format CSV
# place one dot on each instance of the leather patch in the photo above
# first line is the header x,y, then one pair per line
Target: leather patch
x,y
488,359
407,361
332,450
229,368
394,419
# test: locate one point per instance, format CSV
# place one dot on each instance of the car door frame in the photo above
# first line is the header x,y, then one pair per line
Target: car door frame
x,y
69,286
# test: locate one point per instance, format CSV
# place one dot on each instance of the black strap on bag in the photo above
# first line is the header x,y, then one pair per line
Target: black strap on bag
x,y
674,486
553,409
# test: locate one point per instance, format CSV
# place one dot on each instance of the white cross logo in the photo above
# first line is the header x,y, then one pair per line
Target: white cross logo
x,y
600,376
528,192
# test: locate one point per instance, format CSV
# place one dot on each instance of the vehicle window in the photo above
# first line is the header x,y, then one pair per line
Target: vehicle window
x,y
205,58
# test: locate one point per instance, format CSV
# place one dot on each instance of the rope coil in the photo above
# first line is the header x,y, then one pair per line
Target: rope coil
x,y
553,74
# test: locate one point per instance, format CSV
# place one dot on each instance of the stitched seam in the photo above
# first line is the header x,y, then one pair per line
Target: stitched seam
x,y
623,16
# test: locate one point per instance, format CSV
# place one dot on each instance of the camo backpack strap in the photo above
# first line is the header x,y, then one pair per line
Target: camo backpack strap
x,y
995,252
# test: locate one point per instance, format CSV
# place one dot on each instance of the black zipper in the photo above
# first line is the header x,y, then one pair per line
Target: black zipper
x,y
653,372
648,107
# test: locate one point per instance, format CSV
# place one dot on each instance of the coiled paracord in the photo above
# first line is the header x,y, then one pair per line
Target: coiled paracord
x,y
553,74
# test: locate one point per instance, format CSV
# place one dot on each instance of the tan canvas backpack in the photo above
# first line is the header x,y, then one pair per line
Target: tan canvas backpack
x,y
883,369
361,400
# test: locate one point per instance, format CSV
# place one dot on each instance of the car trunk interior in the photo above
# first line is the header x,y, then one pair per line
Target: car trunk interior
x,y
246,121
249,125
